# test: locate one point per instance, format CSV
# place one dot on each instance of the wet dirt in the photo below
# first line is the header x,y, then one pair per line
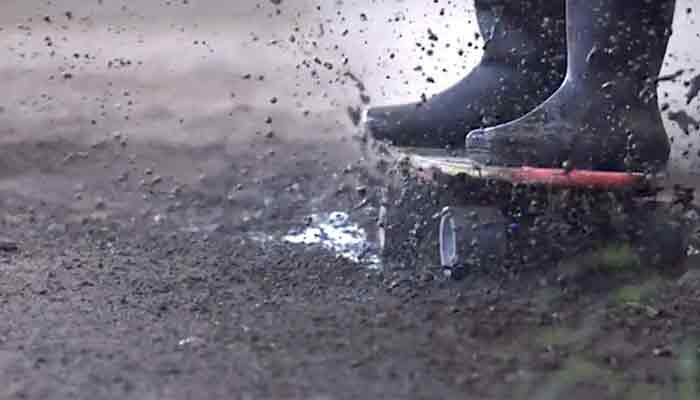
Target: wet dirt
x,y
133,280
139,257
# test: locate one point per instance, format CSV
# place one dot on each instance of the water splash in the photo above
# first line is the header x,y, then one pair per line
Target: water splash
x,y
337,233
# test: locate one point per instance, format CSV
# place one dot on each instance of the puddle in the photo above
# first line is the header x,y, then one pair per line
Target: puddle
x,y
337,233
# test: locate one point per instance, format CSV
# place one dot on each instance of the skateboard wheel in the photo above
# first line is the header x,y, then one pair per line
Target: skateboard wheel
x,y
472,237
407,227
662,239
382,222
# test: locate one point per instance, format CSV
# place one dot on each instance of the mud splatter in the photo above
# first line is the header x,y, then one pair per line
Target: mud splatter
x,y
671,77
684,121
693,90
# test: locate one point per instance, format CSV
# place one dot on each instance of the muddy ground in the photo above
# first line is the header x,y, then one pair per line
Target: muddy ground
x,y
146,185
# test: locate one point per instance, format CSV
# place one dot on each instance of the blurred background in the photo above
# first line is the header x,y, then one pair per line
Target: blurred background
x,y
197,71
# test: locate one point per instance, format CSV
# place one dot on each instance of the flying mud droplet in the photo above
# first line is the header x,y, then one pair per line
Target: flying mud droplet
x,y
337,233
693,90
684,121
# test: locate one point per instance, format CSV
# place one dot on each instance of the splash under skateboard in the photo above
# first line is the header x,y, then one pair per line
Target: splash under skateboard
x,y
461,214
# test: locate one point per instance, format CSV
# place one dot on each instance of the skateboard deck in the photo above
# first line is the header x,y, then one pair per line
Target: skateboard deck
x,y
429,161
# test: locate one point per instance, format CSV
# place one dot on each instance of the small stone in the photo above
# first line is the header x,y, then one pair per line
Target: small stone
x,y
662,352
567,165
123,177
8,245
100,204
55,228
191,341
652,312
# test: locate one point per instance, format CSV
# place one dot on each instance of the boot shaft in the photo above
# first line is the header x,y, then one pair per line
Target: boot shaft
x,y
617,40
526,32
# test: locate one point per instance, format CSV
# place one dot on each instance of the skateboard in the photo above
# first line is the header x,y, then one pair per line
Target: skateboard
x,y
462,214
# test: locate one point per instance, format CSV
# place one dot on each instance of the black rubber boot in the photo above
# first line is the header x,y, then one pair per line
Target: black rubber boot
x,y
524,62
605,116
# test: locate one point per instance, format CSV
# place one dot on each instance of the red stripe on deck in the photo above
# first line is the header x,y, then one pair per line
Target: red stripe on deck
x,y
576,178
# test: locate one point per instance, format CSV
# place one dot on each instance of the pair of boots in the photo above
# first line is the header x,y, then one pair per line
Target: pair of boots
x,y
560,81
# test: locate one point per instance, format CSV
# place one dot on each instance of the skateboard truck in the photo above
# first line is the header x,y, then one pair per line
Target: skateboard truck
x,y
490,215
